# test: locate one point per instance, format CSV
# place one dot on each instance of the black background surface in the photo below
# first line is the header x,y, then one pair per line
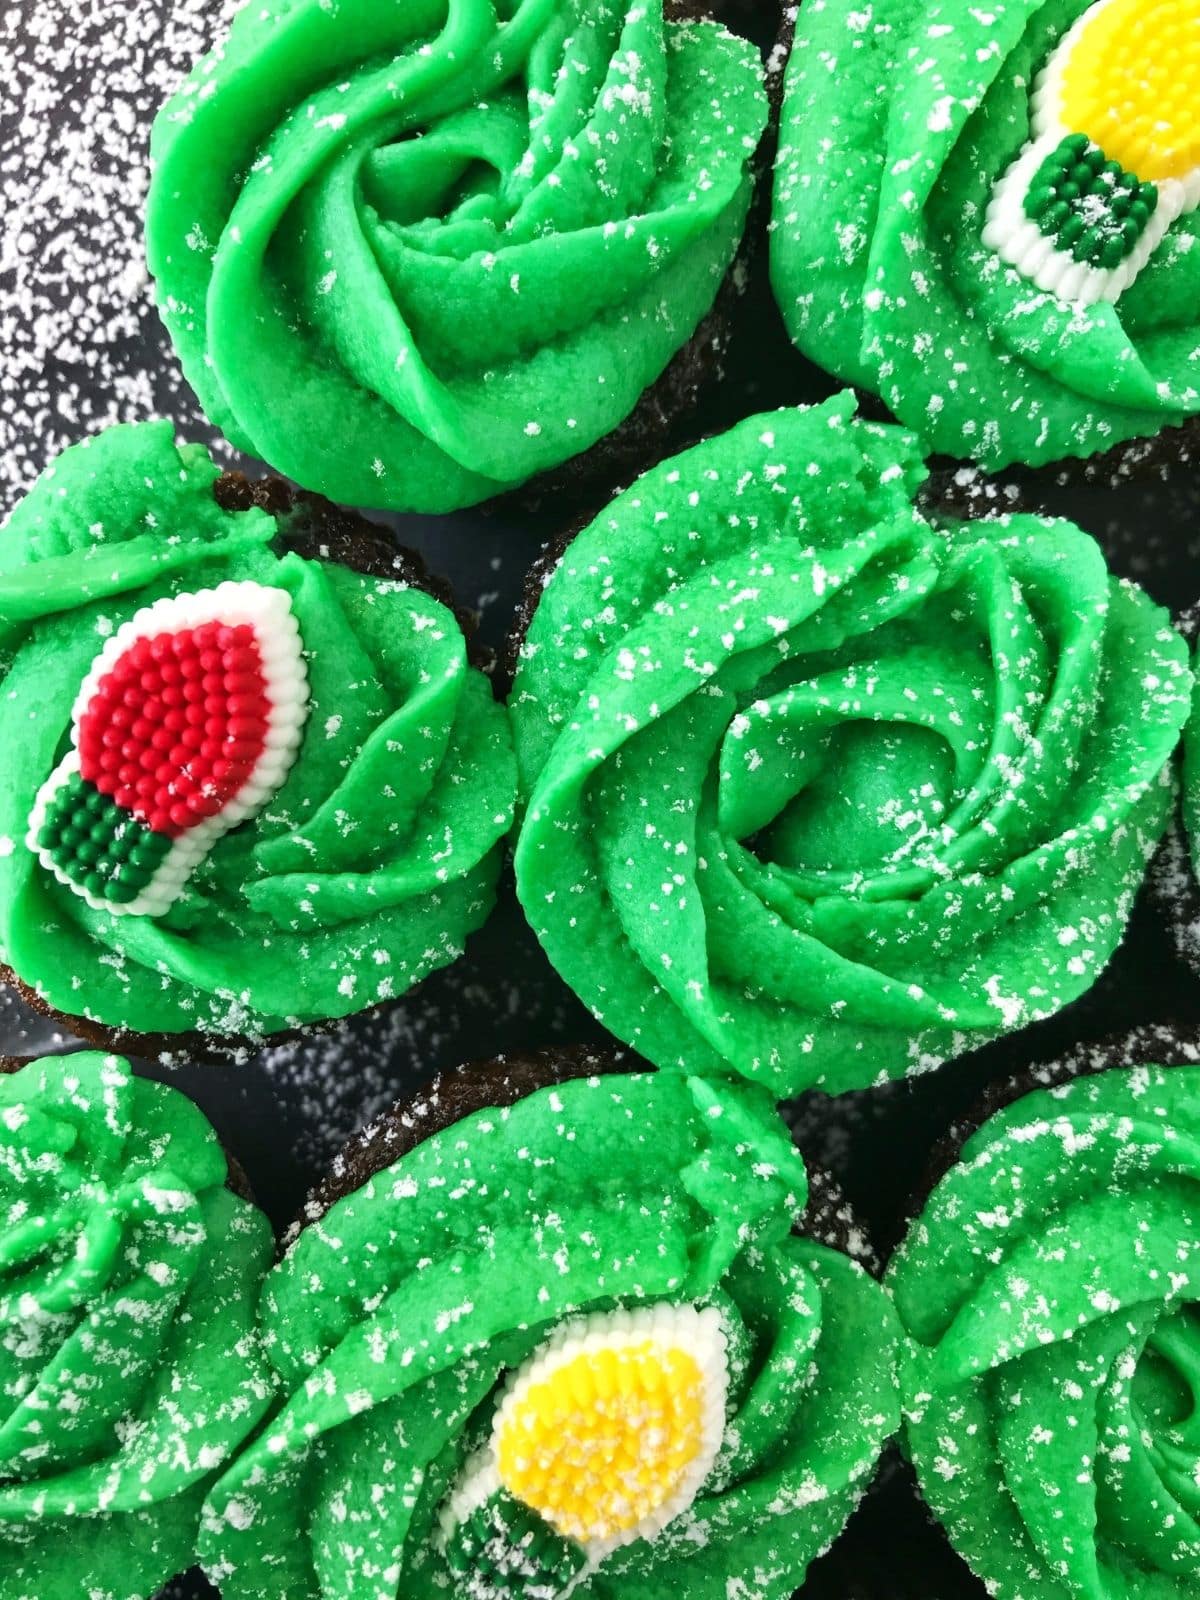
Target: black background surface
x,y
81,346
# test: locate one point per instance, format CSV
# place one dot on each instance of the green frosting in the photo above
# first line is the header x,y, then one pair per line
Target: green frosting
x,y
130,1369
897,123
392,1321
820,790
370,865
1050,1292
413,254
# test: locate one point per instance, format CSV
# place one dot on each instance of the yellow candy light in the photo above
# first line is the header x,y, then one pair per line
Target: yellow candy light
x,y
608,1431
1113,157
603,1441
1131,82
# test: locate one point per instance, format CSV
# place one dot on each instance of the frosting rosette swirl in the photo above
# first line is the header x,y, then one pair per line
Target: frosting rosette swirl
x,y
987,216
413,254
542,1323
130,1369
1049,1292
819,789
301,748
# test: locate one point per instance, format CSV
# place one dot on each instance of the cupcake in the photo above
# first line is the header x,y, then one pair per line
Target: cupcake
x,y
251,781
820,786
414,260
563,1342
1048,1289
130,1369
987,217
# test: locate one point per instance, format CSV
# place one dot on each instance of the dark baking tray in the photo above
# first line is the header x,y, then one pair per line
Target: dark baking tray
x,y
286,1112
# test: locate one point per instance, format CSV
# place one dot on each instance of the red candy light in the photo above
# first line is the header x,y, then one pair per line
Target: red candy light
x,y
189,718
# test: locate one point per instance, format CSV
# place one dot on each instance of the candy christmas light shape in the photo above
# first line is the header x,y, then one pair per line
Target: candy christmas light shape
x,y
604,1436
1115,155
188,720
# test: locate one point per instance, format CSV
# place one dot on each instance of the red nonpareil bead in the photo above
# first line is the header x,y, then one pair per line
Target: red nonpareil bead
x,y
249,705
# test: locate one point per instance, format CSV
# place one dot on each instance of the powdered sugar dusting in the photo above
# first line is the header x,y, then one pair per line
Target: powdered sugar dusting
x,y
82,343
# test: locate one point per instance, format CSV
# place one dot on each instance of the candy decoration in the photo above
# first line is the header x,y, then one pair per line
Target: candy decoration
x,y
503,1548
1115,154
604,1436
188,720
